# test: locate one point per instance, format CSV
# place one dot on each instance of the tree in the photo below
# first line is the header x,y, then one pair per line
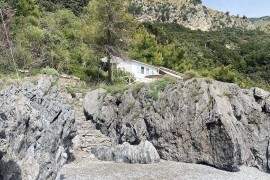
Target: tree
x,y
52,5
195,2
26,7
5,3
172,56
112,27
6,14
145,48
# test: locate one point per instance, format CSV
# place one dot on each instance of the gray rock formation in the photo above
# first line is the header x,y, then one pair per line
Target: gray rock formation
x,y
36,130
187,13
197,121
144,153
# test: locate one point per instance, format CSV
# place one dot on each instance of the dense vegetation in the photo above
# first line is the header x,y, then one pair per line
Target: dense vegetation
x,y
58,39
65,35
230,54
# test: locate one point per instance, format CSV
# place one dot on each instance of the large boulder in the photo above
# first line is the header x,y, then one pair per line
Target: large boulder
x,y
36,130
197,121
144,153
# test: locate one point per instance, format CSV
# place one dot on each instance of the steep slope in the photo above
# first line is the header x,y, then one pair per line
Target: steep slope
x,y
262,23
190,13
197,121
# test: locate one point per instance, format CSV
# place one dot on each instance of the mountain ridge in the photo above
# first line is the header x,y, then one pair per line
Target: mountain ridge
x,y
189,13
262,23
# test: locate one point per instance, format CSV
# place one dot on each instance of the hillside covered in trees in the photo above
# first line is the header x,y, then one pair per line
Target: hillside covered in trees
x,y
71,36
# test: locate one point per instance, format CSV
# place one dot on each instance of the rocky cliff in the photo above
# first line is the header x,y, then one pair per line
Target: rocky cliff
x,y
36,129
189,13
196,121
262,23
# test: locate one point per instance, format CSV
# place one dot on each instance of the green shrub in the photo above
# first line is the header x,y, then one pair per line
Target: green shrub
x,y
71,91
122,77
34,71
34,34
129,106
196,92
225,74
50,71
190,74
159,85
227,94
6,67
136,88
208,81
152,95
113,90
170,79
32,20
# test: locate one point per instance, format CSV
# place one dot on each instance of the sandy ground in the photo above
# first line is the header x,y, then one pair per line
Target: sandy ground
x,y
88,170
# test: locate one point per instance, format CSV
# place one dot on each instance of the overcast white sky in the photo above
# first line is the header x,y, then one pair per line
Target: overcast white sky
x,y
250,8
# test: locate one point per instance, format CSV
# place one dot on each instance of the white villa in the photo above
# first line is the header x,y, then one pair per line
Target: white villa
x,y
142,72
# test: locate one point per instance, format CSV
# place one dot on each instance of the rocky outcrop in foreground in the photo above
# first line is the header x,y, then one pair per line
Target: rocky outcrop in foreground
x,y
197,121
36,129
144,152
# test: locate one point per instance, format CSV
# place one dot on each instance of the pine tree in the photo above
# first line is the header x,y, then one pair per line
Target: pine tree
x,y
112,27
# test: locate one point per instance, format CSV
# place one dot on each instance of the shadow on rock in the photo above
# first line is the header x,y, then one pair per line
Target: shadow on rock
x,y
229,168
10,171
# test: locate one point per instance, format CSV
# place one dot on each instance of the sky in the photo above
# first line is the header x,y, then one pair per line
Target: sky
x,y
249,8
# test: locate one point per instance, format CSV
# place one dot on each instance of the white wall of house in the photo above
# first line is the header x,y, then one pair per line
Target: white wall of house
x,y
138,69
141,70
125,65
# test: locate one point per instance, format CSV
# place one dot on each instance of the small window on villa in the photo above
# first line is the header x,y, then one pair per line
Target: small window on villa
x,y
142,70
147,71
151,72
138,69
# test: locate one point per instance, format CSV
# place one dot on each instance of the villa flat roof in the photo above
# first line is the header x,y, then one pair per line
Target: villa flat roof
x,y
117,60
143,63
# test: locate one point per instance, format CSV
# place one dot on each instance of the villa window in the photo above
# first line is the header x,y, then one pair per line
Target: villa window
x,y
147,71
142,70
138,69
